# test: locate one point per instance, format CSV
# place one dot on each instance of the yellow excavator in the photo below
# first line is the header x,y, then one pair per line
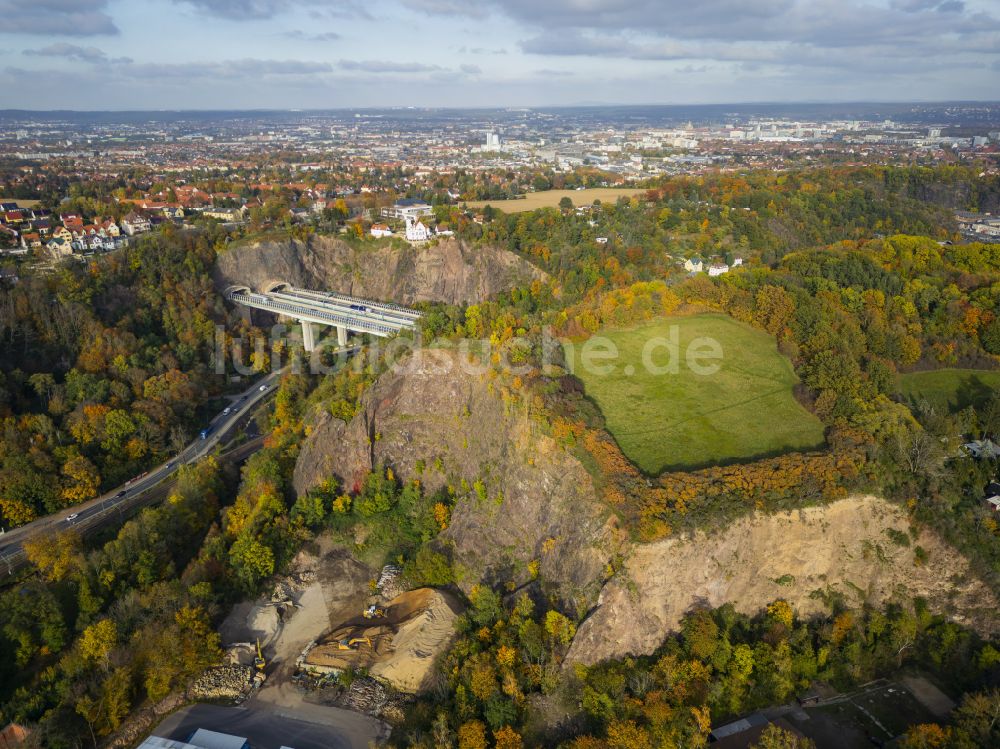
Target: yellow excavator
x,y
259,661
374,612
354,643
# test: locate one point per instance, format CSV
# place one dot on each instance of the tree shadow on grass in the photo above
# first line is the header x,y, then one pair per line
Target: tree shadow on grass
x,y
690,467
663,431
972,392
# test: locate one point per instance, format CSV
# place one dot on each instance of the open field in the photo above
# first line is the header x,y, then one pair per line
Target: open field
x,y
951,389
551,198
685,419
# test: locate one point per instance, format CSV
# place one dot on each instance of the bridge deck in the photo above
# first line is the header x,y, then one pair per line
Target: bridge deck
x,y
318,301
327,308
332,297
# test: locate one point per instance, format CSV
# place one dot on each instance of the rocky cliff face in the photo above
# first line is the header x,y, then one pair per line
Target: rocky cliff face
x,y
449,271
539,506
844,546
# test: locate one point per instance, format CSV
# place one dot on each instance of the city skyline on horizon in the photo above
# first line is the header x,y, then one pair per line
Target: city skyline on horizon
x,y
517,107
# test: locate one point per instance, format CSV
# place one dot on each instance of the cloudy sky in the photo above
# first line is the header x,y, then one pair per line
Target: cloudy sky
x,y
210,54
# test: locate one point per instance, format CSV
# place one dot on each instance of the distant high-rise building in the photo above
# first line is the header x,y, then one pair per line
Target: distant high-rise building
x,y
493,140
934,132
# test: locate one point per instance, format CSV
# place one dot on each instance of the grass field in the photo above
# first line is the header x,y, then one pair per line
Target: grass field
x,y
551,198
684,419
951,389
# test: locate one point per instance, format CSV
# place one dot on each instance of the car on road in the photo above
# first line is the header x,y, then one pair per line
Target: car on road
x,y
244,397
71,518
226,410
171,464
262,388
122,493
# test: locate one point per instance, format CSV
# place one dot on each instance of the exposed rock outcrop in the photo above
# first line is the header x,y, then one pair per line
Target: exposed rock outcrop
x,y
318,456
539,503
844,546
449,271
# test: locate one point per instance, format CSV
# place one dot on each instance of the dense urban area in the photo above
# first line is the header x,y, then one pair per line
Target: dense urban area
x,y
389,427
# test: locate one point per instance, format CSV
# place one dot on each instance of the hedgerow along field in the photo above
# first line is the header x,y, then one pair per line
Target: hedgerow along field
x,y
551,198
950,389
745,410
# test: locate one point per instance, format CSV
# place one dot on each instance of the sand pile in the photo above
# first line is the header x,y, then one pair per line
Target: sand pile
x,y
265,622
419,640
399,647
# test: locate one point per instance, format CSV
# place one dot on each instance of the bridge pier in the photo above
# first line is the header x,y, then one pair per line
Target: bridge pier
x,y
308,335
341,336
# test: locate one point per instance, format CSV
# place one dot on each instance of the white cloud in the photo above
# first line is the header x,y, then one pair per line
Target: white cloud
x,y
56,17
387,66
70,51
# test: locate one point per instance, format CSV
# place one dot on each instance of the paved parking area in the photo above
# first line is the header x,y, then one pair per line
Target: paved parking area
x,y
267,728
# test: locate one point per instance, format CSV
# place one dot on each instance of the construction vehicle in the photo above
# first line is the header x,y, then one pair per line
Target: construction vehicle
x,y
259,661
374,612
354,643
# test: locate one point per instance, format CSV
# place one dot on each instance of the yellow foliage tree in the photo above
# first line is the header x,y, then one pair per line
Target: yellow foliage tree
x,y
15,512
507,738
781,611
506,656
472,735
82,480
98,640
56,556
559,628
627,734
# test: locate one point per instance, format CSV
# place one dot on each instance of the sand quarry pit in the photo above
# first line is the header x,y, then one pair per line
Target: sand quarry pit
x,y
323,587
399,647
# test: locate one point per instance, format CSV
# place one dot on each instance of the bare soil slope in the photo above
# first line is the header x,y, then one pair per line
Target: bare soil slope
x,y
449,271
843,546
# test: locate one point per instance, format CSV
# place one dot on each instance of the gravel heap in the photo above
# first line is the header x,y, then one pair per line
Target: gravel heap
x,y
390,582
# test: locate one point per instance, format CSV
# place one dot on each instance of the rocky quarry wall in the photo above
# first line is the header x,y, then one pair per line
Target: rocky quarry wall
x,y
844,547
449,271
540,504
